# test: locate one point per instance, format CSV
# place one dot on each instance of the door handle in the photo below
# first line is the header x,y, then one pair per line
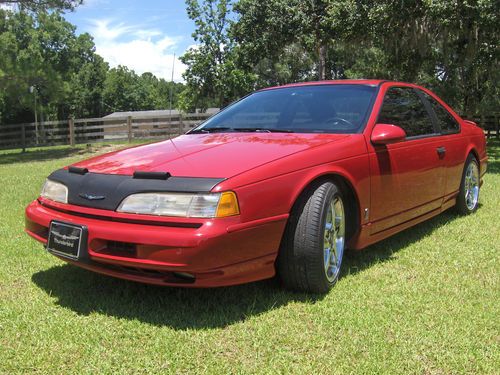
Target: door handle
x,y
441,151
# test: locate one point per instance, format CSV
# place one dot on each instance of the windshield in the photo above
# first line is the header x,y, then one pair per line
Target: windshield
x,y
305,109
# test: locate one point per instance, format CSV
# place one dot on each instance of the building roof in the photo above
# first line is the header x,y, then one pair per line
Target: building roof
x,y
153,113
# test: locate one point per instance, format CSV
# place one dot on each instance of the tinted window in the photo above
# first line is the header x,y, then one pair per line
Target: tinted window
x,y
321,109
402,107
446,121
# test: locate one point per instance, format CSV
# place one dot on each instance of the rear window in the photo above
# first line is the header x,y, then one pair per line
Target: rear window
x,y
321,109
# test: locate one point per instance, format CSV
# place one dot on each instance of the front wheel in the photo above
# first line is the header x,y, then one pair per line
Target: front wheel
x,y
468,195
313,246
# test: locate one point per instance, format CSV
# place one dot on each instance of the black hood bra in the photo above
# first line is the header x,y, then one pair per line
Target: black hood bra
x,y
107,191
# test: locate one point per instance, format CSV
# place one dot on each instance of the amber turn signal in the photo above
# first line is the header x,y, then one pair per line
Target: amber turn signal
x,y
228,205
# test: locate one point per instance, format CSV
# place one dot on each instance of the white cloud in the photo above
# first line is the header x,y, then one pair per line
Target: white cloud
x,y
138,48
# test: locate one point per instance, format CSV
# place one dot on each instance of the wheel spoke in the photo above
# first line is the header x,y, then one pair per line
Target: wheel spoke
x,y
334,259
334,248
471,185
327,259
334,238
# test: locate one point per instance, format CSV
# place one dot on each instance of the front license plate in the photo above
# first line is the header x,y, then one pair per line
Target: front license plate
x,y
65,239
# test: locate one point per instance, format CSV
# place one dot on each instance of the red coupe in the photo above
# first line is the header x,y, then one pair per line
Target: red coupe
x,y
280,182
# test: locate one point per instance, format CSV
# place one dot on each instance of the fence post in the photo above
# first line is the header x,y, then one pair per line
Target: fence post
x,y
497,118
23,136
129,128
71,123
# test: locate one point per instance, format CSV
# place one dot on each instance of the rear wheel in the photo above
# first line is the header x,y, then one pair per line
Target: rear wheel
x,y
313,246
468,196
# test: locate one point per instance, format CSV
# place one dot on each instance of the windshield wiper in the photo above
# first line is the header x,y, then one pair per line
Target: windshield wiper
x,y
211,130
263,130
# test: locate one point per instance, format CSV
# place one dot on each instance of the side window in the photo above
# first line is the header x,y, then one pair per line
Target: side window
x,y
446,121
402,107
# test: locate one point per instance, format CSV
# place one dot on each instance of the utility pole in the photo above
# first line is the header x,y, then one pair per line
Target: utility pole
x,y
171,90
33,91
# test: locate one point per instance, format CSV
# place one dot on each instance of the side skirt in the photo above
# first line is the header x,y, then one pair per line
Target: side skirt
x,y
364,238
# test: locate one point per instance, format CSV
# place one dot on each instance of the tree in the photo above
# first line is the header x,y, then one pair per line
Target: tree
x,y
38,5
41,50
292,64
267,30
122,90
449,46
213,76
158,91
86,89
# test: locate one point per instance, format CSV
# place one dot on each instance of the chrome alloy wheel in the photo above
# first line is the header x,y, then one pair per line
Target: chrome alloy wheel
x,y
334,238
471,187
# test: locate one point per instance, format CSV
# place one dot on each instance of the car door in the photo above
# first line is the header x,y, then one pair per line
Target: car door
x,y
453,144
407,177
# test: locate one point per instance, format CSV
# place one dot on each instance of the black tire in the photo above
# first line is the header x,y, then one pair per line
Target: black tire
x,y
301,263
466,203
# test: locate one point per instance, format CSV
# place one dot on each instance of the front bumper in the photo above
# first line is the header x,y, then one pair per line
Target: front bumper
x,y
183,252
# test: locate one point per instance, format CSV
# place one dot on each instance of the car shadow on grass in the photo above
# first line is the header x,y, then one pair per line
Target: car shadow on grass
x,y
386,250
38,155
51,153
85,292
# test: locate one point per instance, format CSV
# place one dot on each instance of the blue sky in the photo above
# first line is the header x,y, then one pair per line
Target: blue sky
x,y
143,35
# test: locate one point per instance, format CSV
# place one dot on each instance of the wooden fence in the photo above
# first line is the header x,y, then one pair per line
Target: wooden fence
x,y
91,130
489,123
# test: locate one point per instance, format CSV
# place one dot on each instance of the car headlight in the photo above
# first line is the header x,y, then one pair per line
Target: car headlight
x,y
55,191
181,204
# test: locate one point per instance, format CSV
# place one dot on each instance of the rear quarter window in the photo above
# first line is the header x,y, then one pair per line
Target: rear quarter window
x,y
446,121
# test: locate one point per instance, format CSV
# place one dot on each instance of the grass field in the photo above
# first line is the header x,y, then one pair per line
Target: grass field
x,y
426,301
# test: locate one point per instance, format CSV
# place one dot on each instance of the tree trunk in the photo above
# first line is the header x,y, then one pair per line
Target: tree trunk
x,y
322,61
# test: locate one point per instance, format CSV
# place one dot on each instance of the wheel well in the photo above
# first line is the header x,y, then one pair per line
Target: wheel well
x,y
351,199
474,153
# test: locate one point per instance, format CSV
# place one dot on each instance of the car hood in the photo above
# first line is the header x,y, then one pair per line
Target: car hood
x,y
207,155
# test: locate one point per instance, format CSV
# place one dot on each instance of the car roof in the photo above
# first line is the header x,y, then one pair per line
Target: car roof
x,y
372,82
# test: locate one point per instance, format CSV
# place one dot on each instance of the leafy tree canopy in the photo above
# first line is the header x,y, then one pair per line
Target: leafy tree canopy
x,y
447,45
37,5
41,56
214,76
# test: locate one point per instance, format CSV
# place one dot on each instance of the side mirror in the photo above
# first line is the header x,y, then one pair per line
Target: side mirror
x,y
384,134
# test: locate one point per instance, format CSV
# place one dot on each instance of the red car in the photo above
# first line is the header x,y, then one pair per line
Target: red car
x,y
282,181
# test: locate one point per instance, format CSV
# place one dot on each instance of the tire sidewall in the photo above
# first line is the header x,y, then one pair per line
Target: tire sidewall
x,y
300,262
332,192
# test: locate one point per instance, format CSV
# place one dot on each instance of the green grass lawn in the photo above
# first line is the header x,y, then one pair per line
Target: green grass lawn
x,y
426,301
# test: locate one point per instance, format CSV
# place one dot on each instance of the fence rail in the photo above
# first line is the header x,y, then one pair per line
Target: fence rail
x,y
91,130
489,123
